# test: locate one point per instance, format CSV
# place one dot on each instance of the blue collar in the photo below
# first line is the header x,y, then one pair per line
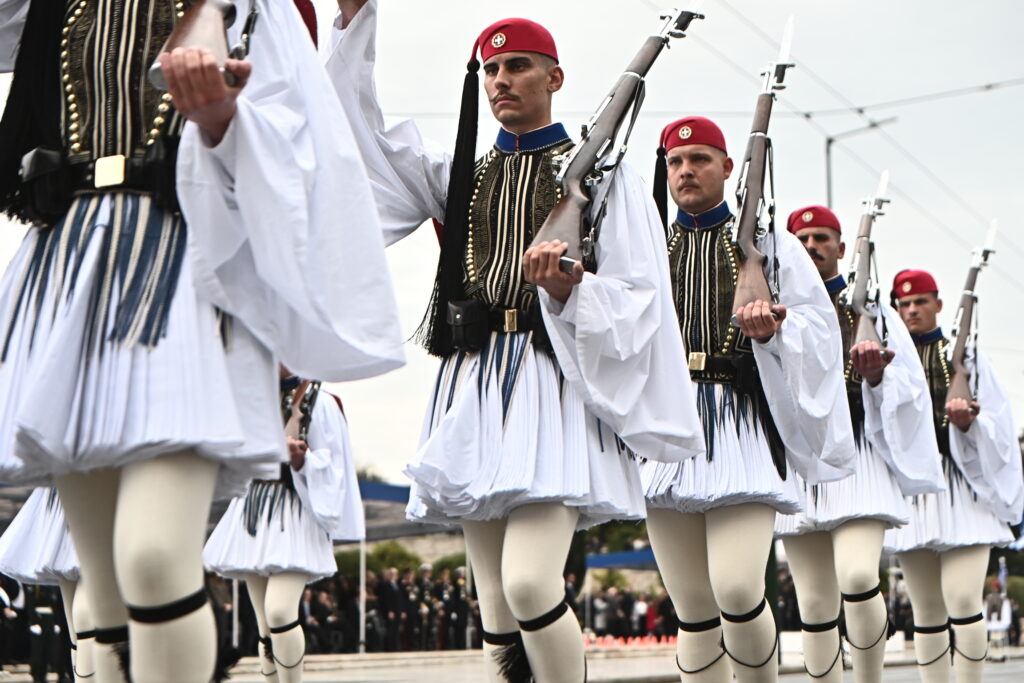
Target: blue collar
x,y
704,220
289,383
836,284
928,337
534,140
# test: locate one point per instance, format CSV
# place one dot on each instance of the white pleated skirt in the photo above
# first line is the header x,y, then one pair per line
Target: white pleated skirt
x,y
277,535
80,389
949,519
871,492
738,467
36,548
504,429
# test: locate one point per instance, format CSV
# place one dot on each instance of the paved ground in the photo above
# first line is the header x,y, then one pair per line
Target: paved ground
x,y
649,666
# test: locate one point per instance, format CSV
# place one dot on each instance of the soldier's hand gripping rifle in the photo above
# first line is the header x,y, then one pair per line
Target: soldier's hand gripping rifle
x,y
585,173
205,24
864,300
963,327
297,409
752,284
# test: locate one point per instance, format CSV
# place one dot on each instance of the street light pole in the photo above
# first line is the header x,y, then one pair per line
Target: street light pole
x,y
839,136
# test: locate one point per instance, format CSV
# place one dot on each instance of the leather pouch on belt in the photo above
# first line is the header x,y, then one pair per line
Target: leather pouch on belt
x,y
468,322
45,185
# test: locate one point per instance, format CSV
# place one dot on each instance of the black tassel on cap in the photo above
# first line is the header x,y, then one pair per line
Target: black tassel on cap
x,y
32,115
433,333
661,186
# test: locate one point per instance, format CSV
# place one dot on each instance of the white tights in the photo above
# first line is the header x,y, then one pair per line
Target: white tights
x,y
826,565
517,566
275,600
138,531
944,586
79,622
714,563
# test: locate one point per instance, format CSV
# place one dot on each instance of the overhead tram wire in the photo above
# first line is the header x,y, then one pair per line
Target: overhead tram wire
x,y
860,111
824,132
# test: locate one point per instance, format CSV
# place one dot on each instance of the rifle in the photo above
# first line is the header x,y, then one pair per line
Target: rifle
x,y
860,269
584,174
205,24
297,409
752,284
963,330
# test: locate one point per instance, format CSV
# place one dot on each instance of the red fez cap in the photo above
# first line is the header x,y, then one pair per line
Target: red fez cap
x,y
909,282
814,216
692,130
515,35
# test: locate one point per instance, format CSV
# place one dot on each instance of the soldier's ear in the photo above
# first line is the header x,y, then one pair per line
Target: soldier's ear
x,y
556,78
938,304
728,166
842,249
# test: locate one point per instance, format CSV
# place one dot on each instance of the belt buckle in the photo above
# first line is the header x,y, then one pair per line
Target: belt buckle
x,y
697,360
511,320
109,171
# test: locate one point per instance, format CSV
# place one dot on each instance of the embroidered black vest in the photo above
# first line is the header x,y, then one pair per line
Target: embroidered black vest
x,y
108,104
839,293
937,373
514,193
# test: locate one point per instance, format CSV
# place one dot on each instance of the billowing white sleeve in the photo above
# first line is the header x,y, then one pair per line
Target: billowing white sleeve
x,y
327,483
617,337
988,453
282,229
12,21
409,176
898,414
801,369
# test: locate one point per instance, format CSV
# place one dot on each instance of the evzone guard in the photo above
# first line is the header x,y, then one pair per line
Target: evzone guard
x,y
278,537
834,545
771,398
36,550
944,549
551,383
172,233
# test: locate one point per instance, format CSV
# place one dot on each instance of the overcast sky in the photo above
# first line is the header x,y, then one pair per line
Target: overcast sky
x,y
967,151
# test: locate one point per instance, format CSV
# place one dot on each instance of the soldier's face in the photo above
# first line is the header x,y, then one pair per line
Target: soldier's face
x,y
696,177
920,312
519,86
825,249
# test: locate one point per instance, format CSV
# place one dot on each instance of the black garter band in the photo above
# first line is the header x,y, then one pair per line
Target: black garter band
x,y
111,636
544,620
170,611
283,629
823,627
743,618
699,626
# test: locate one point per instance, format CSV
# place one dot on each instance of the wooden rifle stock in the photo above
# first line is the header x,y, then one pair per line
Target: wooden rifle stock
x,y
569,221
204,24
751,283
865,330
958,385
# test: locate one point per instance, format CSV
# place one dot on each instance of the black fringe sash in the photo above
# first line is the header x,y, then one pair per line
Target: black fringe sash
x,y
267,499
143,250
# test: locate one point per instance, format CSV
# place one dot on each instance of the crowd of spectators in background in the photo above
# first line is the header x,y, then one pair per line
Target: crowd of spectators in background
x,y
407,609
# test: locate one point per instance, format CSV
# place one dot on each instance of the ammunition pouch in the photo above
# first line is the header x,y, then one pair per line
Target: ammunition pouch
x,y
471,322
